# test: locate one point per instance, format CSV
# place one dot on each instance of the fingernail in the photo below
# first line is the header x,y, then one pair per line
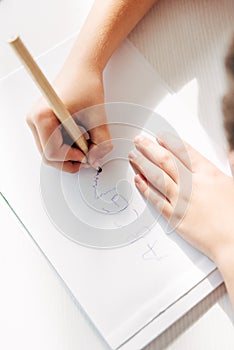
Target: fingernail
x,y
159,140
86,166
84,160
139,139
96,165
133,154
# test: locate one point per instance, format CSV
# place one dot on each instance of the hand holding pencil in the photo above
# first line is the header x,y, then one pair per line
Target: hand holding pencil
x,y
78,87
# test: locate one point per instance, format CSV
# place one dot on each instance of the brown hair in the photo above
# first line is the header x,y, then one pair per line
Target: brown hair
x,y
228,99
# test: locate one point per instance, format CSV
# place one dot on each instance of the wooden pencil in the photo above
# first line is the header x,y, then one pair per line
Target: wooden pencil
x,y
49,93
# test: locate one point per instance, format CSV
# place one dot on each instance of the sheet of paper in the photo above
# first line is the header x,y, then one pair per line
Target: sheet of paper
x,y
102,209
124,289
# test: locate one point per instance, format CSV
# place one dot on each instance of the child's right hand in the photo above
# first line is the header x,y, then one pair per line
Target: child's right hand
x,y
79,87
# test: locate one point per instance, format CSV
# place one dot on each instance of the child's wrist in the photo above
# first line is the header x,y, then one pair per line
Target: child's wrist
x,y
224,258
86,58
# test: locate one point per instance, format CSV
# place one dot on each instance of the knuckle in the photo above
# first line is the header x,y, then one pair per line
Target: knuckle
x,y
46,161
29,119
173,194
158,203
159,179
184,197
180,210
37,113
178,215
155,201
175,219
145,192
74,169
51,154
109,147
106,147
38,117
164,159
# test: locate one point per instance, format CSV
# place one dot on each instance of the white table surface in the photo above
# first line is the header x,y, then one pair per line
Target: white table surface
x,y
185,41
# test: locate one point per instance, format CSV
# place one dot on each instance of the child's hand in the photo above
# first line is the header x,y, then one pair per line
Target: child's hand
x,y
203,215
78,89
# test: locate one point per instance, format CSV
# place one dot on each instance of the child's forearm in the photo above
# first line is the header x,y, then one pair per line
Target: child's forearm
x,y
108,23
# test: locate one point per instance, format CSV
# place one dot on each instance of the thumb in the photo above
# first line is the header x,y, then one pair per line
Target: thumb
x,y
101,143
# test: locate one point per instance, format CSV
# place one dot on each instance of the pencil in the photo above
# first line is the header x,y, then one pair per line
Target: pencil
x,y
50,95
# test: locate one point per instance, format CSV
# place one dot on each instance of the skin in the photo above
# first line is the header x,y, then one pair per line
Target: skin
x,y
80,84
204,221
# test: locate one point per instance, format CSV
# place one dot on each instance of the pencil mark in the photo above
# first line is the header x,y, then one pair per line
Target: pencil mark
x,y
114,202
95,183
150,250
152,253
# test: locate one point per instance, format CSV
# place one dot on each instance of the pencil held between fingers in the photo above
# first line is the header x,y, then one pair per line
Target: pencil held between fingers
x,y
53,100
46,130
73,84
54,143
100,146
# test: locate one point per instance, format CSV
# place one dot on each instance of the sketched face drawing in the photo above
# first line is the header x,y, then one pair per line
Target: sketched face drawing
x,y
105,210
110,201
111,194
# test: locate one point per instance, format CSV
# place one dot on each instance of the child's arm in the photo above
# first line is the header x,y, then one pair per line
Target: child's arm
x,y
108,23
192,194
79,84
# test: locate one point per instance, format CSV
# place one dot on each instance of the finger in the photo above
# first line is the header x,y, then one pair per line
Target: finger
x,y
191,158
97,152
68,167
68,153
36,137
49,131
95,122
65,166
158,201
55,150
176,146
155,175
158,155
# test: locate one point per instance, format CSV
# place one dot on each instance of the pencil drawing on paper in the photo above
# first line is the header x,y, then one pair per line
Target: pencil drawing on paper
x,y
110,202
113,202
152,248
152,253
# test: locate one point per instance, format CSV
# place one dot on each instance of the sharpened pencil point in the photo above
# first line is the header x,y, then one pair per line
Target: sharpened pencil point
x,y
99,170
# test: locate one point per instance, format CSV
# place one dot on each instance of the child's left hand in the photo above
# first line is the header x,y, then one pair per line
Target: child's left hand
x,y
202,210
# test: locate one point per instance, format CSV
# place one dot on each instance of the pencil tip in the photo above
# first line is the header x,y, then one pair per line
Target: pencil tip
x,y
99,170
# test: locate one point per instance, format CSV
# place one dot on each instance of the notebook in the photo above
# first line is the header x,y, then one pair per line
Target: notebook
x,y
132,293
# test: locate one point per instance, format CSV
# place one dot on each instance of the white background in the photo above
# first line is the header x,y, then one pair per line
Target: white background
x,y
185,41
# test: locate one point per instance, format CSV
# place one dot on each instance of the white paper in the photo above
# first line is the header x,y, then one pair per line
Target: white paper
x,y
123,289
